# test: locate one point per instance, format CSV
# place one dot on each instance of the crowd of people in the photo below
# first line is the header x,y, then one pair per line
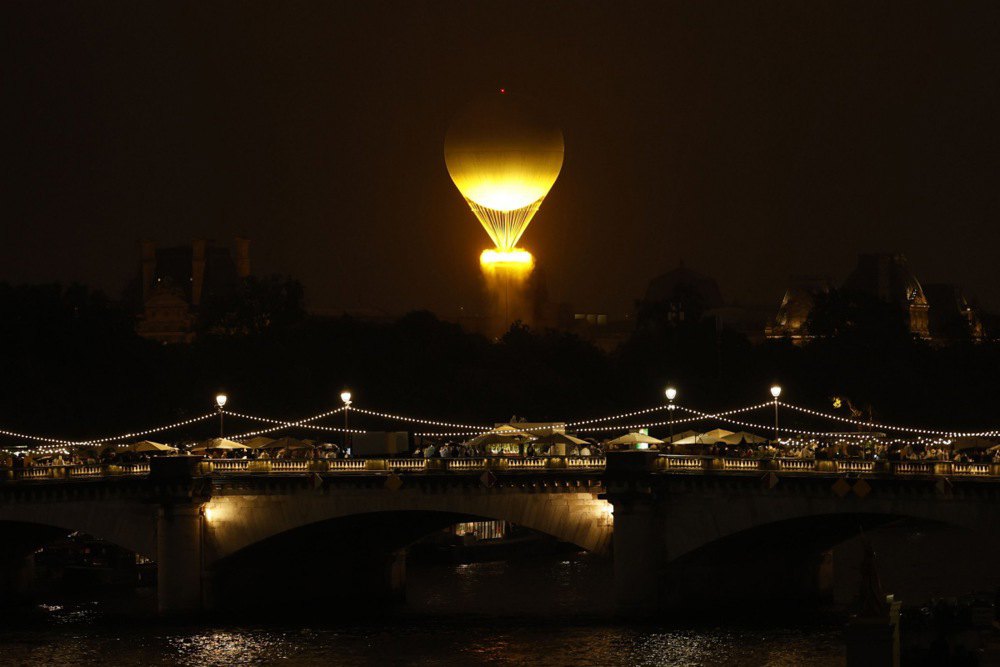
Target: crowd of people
x,y
875,450
466,450
305,450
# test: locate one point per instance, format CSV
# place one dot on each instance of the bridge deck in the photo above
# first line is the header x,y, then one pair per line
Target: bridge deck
x,y
664,464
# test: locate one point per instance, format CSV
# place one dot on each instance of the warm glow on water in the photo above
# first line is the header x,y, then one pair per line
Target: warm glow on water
x,y
549,611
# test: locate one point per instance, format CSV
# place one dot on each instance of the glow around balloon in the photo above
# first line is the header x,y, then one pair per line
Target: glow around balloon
x,y
504,158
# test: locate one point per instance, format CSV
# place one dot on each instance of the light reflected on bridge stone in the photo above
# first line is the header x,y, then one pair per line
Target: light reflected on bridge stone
x,y
604,512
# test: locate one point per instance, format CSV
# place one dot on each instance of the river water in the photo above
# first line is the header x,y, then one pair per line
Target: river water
x,y
550,610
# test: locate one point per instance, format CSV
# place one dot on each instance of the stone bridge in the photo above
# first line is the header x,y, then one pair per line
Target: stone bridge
x,y
211,531
680,528
691,531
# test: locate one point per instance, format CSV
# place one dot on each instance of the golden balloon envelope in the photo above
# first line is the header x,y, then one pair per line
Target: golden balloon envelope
x,y
504,158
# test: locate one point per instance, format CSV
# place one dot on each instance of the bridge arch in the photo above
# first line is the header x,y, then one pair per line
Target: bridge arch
x,y
696,521
130,525
235,521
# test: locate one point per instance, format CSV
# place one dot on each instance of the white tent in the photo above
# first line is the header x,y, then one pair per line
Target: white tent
x,y
679,437
635,440
217,444
501,435
559,439
257,442
743,437
717,435
287,443
150,447
709,438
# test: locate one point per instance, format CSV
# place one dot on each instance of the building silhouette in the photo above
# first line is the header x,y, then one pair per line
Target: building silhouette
x,y
940,313
173,284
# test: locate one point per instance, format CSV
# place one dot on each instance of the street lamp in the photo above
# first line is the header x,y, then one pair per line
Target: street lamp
x,y
345,396
671,395
775,392
220,403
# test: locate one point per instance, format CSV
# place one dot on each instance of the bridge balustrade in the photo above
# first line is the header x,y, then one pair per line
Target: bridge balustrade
x,y
673,462
741,464
405,464
971,468
585,462
665,462
855,466
796,464
526,463
913,467
86,471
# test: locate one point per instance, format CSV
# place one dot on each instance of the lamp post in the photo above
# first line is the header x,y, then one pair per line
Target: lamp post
x,y
775,392
220,403
345,396
671,395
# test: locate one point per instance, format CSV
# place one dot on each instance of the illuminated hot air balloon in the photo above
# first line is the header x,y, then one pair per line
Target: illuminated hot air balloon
x,y
504,158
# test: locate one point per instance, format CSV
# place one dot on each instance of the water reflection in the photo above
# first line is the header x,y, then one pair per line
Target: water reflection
x,y
549,612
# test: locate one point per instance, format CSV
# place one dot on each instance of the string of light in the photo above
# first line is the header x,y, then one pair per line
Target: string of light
x,y
58,445
50,444
417,420
784,429
889,427
625,415
701,416
302,423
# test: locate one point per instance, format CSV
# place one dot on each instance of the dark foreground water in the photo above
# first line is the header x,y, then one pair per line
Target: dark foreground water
x,y
545,611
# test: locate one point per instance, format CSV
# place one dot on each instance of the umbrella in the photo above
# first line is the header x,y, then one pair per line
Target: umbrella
x,y
718,435
710,438
257,442
635,439
217,443
743,437
559,439
501,435
682,437
287,443
150,447
559,444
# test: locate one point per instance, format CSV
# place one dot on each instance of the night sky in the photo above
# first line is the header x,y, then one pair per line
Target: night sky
x,y
753,141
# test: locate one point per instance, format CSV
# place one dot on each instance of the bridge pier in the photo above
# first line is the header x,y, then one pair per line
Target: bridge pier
x,y
179,558
637,541
655,570
180,531
637,547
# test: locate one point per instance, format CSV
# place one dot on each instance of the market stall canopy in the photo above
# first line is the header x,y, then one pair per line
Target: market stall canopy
x,y
718,435
559,439
633,439
150,447
683,435
258,442
743,438
287,443
710,438
218,444
501,435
